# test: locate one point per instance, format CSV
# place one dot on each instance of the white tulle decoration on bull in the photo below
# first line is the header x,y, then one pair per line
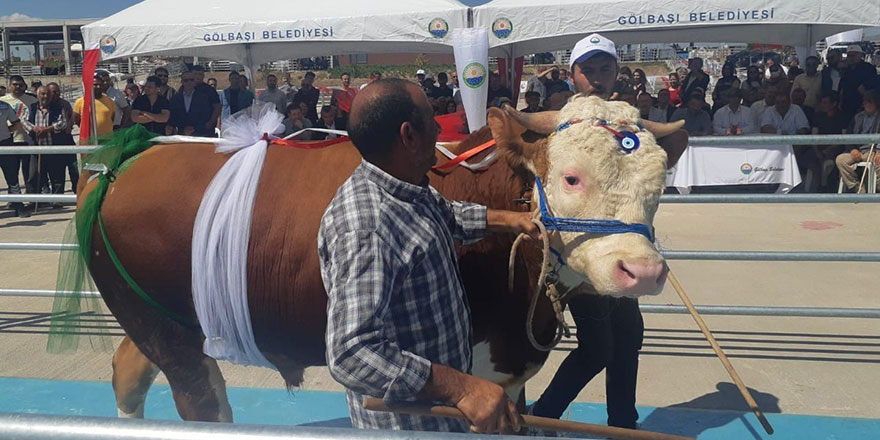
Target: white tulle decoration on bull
x,y
221,234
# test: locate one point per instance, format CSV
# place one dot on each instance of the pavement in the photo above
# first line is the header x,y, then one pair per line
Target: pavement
x,y
793,365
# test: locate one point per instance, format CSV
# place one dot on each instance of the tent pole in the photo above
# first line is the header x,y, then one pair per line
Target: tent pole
x,y
249,62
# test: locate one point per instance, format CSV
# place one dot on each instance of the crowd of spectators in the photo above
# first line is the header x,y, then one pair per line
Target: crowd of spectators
x,y
840,97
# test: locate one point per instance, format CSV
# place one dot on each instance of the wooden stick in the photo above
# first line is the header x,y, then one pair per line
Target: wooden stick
x,y
721,356
869,159
549,424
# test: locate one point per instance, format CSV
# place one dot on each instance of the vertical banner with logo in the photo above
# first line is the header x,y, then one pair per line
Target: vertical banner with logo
x,y
471,48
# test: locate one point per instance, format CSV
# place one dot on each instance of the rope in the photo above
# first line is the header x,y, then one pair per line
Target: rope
x,y
549,290
592,226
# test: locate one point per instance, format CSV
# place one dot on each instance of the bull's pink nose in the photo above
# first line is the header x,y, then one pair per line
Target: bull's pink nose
x,y
641,277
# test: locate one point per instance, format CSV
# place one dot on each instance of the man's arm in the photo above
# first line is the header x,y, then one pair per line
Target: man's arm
x,y
485,404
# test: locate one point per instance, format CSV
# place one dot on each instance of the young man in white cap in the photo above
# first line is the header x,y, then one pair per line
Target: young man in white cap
x,y
609,330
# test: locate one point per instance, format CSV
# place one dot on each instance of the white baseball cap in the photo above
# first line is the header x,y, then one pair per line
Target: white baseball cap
x,y
420,72
591,45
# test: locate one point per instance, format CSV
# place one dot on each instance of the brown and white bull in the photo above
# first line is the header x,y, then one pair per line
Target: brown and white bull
x,y
150,208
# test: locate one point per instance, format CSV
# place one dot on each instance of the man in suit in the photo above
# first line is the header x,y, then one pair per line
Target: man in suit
x,y
191,109
696,79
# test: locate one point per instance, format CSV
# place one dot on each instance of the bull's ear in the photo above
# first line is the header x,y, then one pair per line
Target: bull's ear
x,y
520,145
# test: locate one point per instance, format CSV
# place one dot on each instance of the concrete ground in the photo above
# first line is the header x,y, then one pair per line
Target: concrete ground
x,y
819,366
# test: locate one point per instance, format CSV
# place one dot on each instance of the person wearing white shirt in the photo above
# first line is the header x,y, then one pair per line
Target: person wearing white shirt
x,y
784,118
274,95
734,119
122,116
759,107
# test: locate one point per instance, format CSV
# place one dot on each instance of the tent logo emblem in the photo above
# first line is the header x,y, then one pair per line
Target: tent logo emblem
x,y
438,28
474,75
746,168
502,28
108,44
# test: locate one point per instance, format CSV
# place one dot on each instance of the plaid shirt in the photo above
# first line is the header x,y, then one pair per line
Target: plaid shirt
x,y
43,118
396,302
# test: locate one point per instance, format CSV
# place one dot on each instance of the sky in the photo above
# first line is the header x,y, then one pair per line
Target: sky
x,y
59,9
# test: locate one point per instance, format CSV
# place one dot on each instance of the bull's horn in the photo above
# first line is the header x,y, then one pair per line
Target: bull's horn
x,y
662,130
542,122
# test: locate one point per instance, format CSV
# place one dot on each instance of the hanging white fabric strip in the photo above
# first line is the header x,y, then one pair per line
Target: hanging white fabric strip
x,y
221,234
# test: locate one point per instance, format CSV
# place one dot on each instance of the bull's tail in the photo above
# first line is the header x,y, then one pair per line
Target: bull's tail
x,y
73,318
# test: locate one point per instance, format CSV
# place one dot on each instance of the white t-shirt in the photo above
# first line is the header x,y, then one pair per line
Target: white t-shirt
x,y
21,108
7,117
121,103
758,112
277,97
742,118
794,120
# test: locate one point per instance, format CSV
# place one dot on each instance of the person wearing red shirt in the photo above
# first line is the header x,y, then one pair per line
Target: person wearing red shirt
x,y
674,88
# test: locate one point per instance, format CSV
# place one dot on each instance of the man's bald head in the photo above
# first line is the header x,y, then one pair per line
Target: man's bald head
x,y
378,112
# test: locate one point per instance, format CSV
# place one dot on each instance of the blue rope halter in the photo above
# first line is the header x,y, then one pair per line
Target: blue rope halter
x,y
592,226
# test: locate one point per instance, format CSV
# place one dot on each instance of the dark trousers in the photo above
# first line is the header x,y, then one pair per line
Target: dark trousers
x,y
11,164
72,169
46,171
609,334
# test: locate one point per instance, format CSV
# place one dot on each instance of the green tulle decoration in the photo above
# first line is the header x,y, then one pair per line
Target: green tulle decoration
x,y
75,316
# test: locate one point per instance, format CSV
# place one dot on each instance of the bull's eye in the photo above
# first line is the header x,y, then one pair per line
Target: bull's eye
x,y
572,180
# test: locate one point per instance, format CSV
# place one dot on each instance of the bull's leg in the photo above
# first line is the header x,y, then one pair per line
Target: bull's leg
x,y
133,374
200,392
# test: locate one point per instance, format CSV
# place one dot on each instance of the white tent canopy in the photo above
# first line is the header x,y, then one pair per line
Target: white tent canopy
x,y
259,31
520,27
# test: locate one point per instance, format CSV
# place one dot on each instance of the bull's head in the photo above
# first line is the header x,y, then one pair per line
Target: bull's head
x,y
589,175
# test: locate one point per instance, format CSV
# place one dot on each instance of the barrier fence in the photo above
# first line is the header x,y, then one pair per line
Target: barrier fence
x,y
41,427
694,255
32,427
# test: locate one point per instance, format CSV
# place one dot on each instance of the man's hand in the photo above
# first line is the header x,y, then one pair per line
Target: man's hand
x,y
189,130
856,155
487,407
512,221
485,404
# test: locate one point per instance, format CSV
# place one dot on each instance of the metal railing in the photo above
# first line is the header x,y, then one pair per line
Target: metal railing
x,y
697,255
773,139
692,255
41,427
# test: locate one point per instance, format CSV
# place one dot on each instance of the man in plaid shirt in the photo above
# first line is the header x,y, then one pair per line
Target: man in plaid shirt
x,y
398,322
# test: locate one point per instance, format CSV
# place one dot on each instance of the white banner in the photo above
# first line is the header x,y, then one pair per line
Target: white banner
x,y
701,166
852,36
471,48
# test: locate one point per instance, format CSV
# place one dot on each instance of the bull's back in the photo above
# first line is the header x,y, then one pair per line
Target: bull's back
x,y
150,209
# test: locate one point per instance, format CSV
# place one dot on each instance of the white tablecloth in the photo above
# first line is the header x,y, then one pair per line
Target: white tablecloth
x,y
702,166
